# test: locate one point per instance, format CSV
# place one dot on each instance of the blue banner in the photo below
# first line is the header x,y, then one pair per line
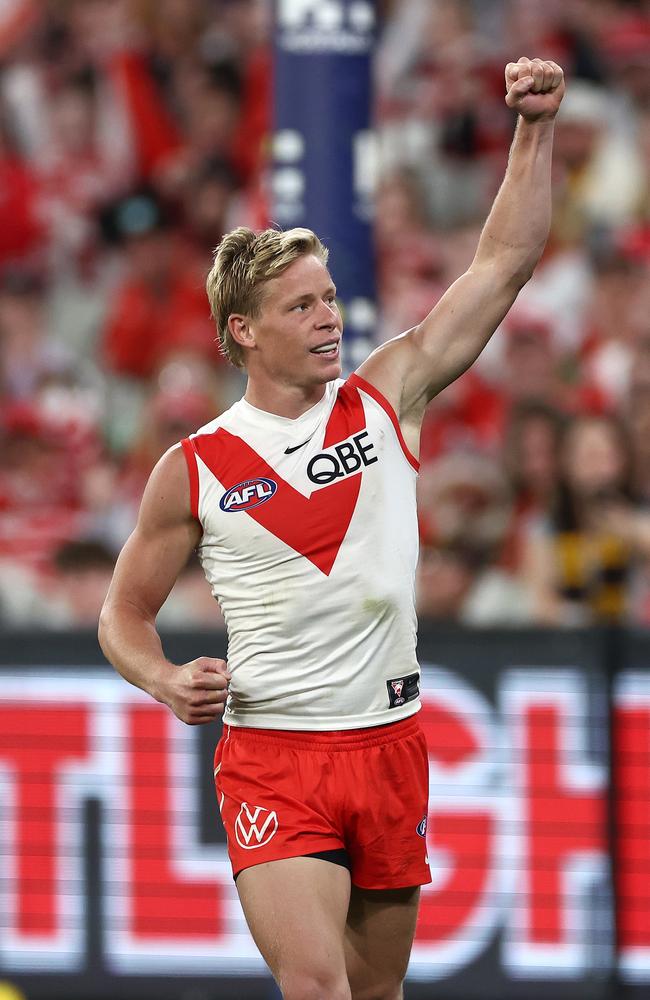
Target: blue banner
x,y
323,149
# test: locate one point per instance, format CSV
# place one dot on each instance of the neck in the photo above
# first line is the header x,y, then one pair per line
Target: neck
x,y
285,400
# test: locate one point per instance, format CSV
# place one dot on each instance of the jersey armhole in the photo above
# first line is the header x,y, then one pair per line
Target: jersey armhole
x,y
360,383
192,468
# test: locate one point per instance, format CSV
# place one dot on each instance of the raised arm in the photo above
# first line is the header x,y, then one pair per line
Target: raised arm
x,y
414,367
146,570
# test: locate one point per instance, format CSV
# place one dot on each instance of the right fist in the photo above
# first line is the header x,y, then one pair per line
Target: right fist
x,y
197,691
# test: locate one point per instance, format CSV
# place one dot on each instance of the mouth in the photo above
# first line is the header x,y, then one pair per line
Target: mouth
x,y
328,350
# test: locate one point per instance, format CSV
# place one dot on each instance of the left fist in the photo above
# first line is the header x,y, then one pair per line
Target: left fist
x,y
534,88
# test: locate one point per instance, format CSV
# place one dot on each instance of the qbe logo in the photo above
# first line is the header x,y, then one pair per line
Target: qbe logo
x,y
344,459
344,26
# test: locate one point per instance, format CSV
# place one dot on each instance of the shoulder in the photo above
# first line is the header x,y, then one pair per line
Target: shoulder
x,y
166,498
386,370
386,367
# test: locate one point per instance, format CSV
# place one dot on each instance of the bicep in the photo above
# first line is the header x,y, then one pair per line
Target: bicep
x,y
161,542
411,369
456,330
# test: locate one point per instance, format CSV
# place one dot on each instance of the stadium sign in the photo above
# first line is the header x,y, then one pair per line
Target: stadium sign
x,y
113,863
324,149
344,27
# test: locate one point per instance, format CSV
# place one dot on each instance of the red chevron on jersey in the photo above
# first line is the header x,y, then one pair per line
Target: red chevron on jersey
x,y
314,526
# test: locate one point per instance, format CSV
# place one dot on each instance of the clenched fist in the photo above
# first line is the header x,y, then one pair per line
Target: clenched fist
x,y
534,88
197,691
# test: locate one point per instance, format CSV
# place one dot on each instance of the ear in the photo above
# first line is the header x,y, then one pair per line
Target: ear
x,y
241,331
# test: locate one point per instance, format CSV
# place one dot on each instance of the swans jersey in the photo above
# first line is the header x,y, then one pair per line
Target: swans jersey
x,y
310,545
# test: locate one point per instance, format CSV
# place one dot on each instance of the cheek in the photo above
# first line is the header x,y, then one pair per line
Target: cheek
x,y
287,350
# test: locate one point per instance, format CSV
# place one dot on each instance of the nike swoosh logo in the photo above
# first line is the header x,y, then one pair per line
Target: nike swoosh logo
x,y
297,447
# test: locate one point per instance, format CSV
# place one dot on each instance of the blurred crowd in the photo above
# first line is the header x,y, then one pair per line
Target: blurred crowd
x,y
134,133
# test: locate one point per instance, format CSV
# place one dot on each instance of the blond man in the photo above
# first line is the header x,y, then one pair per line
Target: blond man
x,y
301,502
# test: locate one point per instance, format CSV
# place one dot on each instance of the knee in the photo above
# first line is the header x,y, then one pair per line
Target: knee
x,y
314,985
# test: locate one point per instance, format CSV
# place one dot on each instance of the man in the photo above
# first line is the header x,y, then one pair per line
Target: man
x,y
301,500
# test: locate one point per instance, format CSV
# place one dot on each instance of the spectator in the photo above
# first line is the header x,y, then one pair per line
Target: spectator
x,y
409,258
83,571
160,306
599,174
532,370
465,511
21,222
637,415
455,583
169,415
464,497
617,317
206,206
210,99
39,502
579,561
531,444
27,354
75,176
467,415
626,46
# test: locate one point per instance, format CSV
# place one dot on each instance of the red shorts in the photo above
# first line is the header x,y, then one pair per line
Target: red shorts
x,y
287,794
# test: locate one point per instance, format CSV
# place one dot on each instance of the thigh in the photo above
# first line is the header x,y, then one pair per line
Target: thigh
x,y
385,824
378,937
296,910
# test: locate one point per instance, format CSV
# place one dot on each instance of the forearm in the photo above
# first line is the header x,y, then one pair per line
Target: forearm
x,y
131,643
517,227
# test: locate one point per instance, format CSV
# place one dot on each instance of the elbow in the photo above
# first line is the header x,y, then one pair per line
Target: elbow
x,y
101,635
103,630
521,278
526,268
513,279
513,271
520,272
525,271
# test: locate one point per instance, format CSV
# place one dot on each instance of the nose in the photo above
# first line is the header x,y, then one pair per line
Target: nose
x,y
327,315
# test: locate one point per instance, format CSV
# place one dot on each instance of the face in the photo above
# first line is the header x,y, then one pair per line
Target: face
x,y
442,582
85,592
592,458
531,367
296,338
150,256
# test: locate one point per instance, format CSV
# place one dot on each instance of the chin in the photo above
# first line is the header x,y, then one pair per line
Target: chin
x,y
333,371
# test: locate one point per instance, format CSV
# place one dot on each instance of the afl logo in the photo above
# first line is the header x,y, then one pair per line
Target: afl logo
x,y
421,828
250,493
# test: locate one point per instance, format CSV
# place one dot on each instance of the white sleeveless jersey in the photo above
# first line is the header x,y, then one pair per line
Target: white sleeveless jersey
x,y
310,545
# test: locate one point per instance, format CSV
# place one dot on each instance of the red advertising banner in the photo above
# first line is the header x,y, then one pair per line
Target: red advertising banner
x,y
631,761
519,833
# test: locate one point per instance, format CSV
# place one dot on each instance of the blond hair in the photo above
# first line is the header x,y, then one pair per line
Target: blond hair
x,y
243,262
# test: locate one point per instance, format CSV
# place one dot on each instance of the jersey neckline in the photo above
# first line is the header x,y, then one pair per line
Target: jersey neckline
x,y
264,418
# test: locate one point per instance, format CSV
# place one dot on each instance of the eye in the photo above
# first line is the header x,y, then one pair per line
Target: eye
x,y
300,307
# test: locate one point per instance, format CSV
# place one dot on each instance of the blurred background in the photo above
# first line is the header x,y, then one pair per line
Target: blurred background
x,y
133,135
